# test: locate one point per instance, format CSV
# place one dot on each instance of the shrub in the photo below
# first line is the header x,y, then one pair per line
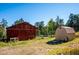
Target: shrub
x,y
1,34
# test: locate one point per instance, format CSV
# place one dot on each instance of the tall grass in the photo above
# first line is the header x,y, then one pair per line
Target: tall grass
x,y
65,51
3,44
69,48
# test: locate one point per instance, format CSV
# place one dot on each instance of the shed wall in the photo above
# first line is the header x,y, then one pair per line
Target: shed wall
x,y
71,36
60,34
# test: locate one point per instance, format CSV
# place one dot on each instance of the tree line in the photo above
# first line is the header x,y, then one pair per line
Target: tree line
x,y
49,28
52,25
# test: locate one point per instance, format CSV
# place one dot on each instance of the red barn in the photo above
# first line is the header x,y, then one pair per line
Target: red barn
x,y
22,31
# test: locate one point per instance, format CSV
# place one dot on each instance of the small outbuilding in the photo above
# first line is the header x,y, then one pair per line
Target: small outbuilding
x,y
65,33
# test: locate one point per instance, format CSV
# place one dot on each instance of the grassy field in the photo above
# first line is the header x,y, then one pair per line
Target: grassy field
x,y
69,48
39,46
35,46
26,42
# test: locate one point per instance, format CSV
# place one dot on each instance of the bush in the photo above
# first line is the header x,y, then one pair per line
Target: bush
x,y
50,36
42,36
1,34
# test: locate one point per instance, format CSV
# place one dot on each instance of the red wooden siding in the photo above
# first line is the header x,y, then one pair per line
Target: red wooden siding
x,y
22,31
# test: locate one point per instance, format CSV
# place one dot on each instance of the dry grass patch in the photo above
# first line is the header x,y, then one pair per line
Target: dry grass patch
x,y
69,48
30,47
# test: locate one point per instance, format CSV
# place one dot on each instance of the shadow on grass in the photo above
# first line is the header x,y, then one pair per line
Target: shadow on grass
x,y
55,42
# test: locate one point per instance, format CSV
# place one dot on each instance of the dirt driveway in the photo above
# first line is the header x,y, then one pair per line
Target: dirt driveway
x,y
36,48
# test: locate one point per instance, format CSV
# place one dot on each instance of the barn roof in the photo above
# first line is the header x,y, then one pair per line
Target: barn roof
x,y
21,23
68,29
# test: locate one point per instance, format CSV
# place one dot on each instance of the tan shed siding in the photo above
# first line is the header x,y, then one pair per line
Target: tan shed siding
x,y
60,33
64,32
71,36
69,30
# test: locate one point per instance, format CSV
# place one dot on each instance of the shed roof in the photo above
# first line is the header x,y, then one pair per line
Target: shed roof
x,y
68,29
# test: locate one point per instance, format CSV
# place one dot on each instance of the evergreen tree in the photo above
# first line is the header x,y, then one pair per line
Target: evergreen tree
x,y
40,26
59,22
73,21
4,23
18,21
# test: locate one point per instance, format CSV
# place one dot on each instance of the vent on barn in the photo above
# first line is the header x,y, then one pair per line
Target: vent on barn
x,y
64,33
22,31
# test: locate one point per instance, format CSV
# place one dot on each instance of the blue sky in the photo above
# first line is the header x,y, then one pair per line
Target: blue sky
x,y
32,12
